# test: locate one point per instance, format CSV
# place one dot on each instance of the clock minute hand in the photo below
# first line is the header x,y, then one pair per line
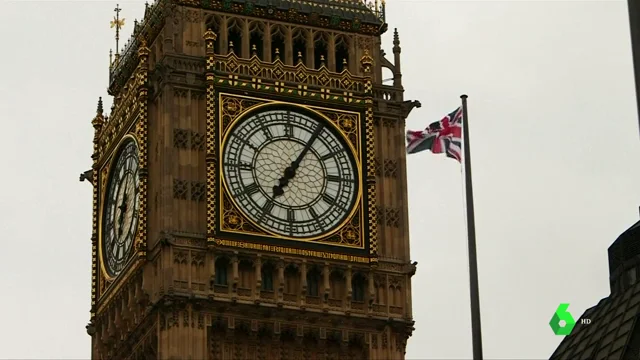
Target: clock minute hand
x,y
312,139
290,171
123,207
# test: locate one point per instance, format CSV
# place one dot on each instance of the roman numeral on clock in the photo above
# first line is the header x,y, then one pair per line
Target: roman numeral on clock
x,y
267,207
251,189
291,218
288,126
242,165
314,216
265,129
328,199
267,133
246,142
330,155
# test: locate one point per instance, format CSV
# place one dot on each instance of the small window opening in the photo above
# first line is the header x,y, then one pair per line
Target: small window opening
x,y
235,38
222,267
277,43
213,23
357,288
291,280
256,40
320,50
342,54
267,277
299,47
313,282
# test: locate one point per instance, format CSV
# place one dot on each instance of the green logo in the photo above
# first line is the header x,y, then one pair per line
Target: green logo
x,y
560,315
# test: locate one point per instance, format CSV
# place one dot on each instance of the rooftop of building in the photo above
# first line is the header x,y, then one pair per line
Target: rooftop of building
x,y
612,330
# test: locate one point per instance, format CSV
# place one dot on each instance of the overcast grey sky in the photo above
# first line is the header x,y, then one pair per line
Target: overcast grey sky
x,y
555,159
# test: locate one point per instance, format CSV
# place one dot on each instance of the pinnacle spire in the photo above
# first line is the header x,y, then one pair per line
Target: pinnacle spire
x,y
396,38
100,110
98,120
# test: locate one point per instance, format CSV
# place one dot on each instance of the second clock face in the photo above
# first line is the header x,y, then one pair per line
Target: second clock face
x,y
290,173
121,209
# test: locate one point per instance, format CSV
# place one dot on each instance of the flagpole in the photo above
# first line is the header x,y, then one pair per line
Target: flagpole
x,y
476,332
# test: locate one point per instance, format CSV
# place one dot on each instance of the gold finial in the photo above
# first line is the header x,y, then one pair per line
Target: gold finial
x,y
344,61
366,61
254,50
118,24
322,60
98,120
299,56
210,35
209,42
277,54
99,110
230,46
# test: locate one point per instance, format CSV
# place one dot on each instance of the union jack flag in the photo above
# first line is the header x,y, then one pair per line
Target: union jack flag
x,y
444,136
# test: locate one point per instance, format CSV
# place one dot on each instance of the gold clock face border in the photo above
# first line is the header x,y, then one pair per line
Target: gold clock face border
x,y
103,192
355,153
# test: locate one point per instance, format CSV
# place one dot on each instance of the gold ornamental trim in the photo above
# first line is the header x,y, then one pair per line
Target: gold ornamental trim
x,y
291,251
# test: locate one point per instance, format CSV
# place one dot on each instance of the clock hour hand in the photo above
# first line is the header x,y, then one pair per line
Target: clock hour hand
x,y
290,171
123,208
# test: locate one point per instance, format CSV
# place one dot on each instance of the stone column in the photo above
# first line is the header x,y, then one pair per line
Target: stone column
x,y
331,53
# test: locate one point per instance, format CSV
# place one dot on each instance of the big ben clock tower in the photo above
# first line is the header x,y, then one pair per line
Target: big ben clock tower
x,y
250,186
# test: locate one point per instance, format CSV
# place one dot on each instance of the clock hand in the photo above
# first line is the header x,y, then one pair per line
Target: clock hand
x,y
120,223
290,171
312,139
123,208
113,245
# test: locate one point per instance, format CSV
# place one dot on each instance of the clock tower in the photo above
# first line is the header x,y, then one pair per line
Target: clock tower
x,y
249,186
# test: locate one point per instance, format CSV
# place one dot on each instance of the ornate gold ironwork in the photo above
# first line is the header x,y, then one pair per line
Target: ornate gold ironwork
x,y
318,83
118,24
140,244
367,63
291,251
211,144
122,117
98,123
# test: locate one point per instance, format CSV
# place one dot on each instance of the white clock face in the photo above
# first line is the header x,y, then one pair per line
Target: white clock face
x,y
121,209
290,173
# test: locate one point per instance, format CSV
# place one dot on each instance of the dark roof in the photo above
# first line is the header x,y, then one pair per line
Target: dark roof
x,y
624,253
613,333
613,325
